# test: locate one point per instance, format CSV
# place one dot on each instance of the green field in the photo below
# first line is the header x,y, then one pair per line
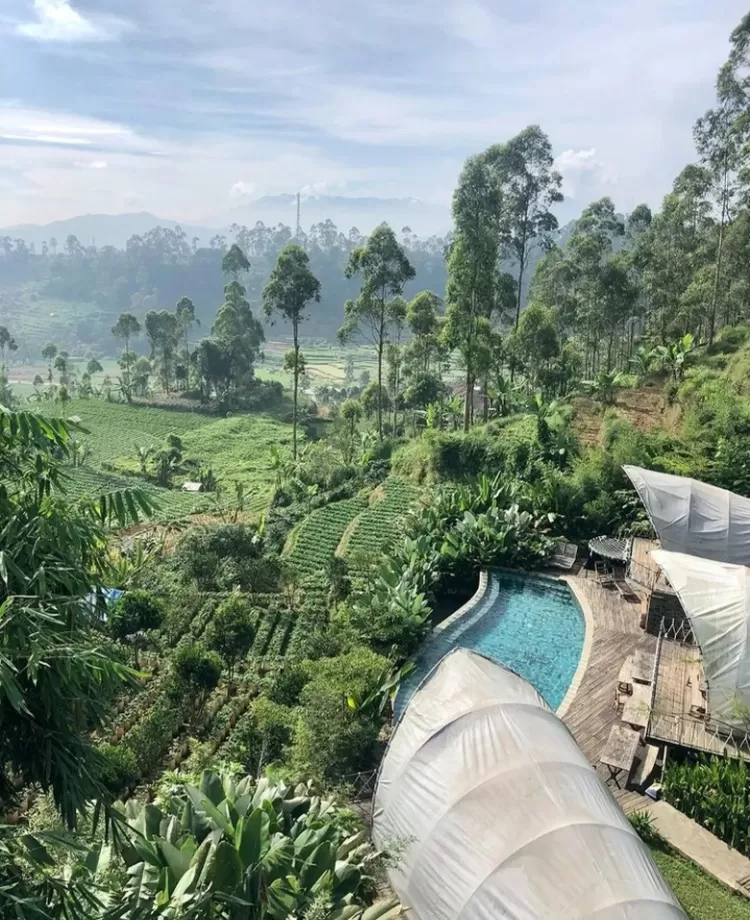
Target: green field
x,y
379,525
35,319
364,524
325,365
237,449
702,897
314,543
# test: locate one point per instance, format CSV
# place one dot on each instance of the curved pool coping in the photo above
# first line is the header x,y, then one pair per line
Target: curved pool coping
x,y
588,641
582,601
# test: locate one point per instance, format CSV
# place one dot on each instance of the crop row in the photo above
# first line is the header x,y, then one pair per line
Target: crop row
x,y
319,535
381,523
153,725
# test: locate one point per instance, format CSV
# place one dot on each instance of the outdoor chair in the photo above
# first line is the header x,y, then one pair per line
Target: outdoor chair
x,y
605,575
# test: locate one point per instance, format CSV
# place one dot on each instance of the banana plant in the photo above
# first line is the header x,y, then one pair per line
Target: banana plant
x,y
241,850
604,386
674,355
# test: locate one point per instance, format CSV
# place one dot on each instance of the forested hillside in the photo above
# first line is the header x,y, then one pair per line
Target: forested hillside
x,y
79,291
214,576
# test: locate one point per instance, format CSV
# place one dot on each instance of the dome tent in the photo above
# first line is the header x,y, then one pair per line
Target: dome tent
x,y
716,599
494,813
693,517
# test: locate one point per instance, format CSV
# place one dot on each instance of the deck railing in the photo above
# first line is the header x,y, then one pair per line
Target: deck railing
x,y
734,740
678,630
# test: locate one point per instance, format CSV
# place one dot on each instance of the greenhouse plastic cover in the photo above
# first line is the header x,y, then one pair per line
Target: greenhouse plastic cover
x,y
492,811
716,599
692,517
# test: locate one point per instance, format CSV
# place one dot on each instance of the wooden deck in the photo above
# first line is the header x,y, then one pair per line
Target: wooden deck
x,y
617,634
642,568
680,670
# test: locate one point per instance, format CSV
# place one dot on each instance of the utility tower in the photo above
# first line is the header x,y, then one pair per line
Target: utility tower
x,y
297,233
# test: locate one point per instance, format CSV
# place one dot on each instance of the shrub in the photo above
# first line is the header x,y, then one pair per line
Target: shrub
x,y
713,791
118,767
273,729
331,740
507,446
211,555
393,615
195,673
729,340
643,824
259,575
134,612
230,631
288,682
149,740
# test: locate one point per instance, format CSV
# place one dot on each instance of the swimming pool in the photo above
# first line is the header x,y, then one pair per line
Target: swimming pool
x,y
531,624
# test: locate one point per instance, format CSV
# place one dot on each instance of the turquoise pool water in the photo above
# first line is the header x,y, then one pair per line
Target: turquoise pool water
x,y
533,625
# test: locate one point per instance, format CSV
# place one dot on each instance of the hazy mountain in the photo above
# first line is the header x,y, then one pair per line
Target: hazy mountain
x,y
363,213
102,229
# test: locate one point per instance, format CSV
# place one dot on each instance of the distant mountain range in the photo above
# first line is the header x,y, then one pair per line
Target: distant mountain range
x,y
101,229
363,213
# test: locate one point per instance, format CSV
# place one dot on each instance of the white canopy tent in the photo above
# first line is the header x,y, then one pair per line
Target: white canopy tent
x,y
495,814
692,517
716,599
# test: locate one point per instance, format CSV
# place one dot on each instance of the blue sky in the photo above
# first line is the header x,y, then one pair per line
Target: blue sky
x,y
188,107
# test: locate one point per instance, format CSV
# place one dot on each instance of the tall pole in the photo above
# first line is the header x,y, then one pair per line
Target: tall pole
x,y
297,234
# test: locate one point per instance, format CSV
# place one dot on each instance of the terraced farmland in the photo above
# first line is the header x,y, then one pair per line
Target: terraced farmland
x,y
159,730
170,505
114,429
380,523
236,449
314,543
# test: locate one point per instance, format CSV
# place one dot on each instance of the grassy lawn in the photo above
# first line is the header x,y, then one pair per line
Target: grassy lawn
x,y
701,896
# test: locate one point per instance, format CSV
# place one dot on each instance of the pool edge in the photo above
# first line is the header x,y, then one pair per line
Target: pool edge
x,y
588,641
466,607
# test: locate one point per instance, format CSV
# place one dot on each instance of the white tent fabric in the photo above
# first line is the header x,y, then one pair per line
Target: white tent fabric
x,y
716,598
692,517
494,813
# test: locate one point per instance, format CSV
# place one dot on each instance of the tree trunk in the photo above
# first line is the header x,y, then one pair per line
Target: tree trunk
x,y
719,251
295,388
717,274
521,270
380,387
127,367
467,399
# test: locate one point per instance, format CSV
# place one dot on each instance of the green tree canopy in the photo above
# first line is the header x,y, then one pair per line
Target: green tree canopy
x,y
384,268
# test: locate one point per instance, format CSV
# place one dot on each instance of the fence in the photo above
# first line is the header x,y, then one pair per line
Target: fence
x,y
714,737
362,784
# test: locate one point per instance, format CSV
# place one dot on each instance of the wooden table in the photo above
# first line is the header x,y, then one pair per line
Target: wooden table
x,y
637,709
619,751
643,666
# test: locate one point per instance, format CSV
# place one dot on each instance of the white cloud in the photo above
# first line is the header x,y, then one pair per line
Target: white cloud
x,y
39,126
316,188
242,189
57,21
576,160
91,164
582,169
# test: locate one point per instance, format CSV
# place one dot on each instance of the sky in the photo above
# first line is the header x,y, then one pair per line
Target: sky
x,y
186,108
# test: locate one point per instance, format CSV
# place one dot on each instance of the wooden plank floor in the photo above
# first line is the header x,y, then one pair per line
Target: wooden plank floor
x,y
616,635
680,669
